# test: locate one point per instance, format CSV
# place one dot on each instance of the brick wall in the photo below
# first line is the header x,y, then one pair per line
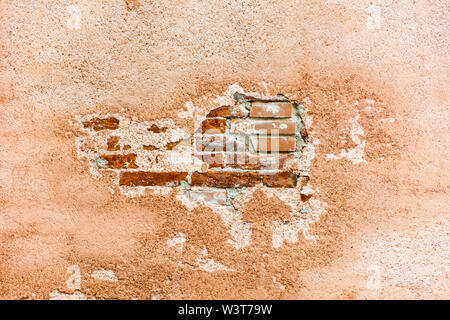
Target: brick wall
x,y
253,142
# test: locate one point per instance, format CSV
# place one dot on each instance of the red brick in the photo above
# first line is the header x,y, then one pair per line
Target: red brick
x,y
143,178
120,161
113,144
98,124
274,144
225,179
280,180
271,110
228,112
263,126
247,161
214,126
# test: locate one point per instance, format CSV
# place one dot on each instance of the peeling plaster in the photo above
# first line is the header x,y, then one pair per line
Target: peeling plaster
x,y
136,134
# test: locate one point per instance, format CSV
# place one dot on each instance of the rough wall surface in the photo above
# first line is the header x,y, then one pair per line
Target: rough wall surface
x,y
371,221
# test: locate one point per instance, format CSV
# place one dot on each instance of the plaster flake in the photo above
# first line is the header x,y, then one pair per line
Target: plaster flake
x,y
288,231
239,231
132,192
183,197
102,274
356,154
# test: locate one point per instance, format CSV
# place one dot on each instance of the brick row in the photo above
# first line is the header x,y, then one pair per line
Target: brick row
x,y
243,179
209,179
144,178
280,180
246,161
273,143
271,110
225,179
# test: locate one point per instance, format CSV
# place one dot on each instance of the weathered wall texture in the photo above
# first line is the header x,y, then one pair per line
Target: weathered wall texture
x,y
93,93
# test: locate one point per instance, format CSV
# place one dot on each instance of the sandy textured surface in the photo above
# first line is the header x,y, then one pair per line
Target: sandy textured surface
x,y
373,76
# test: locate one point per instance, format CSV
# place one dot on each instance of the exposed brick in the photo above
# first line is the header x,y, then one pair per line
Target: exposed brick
x,y
241,160
280,180
210,196
155,129
271,110
119,161
113,143
305,197
214,125
228,112
274,144
247,161
98,124
218,143
263,126
220,146
225,179
213,160
145,178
